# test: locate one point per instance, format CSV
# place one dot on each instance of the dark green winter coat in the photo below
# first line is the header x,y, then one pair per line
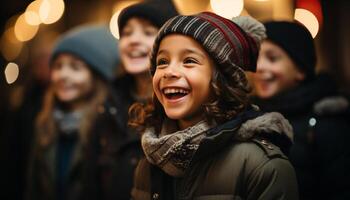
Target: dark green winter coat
x,y
235,160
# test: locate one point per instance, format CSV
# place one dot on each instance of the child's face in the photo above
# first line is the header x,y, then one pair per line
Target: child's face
x,y
135,45
182,79
71,78
276,71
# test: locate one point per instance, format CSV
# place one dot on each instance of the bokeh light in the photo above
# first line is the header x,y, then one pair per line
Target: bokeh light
x,y
51,11
10,46
32,13
308,19
11,72
113,25
23,30
227,8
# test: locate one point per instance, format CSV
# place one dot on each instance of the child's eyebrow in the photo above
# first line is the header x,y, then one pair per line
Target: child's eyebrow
x,y
194,52
162,51
185,51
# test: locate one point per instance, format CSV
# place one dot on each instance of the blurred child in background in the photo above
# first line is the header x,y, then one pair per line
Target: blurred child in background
x,y
286,82
78,148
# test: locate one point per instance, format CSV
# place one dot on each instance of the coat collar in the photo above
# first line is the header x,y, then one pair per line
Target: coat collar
x,y
245,127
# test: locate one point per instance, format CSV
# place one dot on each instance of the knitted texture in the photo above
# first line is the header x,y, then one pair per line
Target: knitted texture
x,y
225,41
95,45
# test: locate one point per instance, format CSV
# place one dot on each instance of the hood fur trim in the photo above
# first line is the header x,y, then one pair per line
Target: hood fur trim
x,y
331,105
269,123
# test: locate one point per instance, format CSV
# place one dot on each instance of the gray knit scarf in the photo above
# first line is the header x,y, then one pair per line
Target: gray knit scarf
x,y
67,122
173,150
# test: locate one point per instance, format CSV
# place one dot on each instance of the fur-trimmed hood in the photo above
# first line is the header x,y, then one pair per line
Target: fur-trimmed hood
x,y
272,123
249,125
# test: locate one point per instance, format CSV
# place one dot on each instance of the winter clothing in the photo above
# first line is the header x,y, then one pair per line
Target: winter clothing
x,y
320,154
232,161
97,163
95,45
297,41
155,11
101,169
165,149
225,41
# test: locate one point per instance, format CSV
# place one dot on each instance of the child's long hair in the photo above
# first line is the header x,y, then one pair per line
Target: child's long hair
x,y
46,130
230,88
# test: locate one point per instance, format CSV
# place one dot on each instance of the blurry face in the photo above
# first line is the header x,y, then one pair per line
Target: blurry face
x,y
182,79
276,71
135,45
71,79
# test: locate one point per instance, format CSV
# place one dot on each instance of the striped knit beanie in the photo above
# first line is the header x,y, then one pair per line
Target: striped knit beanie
x,y
229,43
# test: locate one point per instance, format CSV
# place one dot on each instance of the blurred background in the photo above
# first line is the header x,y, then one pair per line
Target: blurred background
x,y
29,29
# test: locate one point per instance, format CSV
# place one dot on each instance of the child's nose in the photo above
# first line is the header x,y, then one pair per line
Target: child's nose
x,y
136,37
261,65
171,72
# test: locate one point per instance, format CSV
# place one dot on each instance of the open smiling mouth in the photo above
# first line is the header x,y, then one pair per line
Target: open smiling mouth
x,y
175,93
267,78
137,54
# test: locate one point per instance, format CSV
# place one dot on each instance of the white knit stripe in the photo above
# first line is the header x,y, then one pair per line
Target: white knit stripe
x,y
200,28
223,50
163,28
231,36
182,18
209,39
189,24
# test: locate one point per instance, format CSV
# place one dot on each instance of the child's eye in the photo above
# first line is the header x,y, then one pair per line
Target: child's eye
x,y
126,32
150,32
272,58
162,62
76,66
190,61
56,66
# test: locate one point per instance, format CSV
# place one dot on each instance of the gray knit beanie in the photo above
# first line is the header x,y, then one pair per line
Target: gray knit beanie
x,y
230,43
95,45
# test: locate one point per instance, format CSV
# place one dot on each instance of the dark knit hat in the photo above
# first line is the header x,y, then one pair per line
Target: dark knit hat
x,y
297,41
156,11
95,45
230,44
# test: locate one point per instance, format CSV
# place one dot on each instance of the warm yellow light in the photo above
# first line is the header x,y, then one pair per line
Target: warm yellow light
x,y
51,11
308,19
32,13
23,30
10,46
120,5
11,72
32,18
227,8
113,25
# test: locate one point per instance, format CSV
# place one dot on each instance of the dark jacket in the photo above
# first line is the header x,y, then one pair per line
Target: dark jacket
x,y
123,87
102,169
233,162
320,155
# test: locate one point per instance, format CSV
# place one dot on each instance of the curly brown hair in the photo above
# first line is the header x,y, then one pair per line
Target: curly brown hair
x,y
231,96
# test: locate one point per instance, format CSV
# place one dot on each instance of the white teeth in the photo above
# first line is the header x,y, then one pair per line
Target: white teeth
x,y
174,90
136,54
